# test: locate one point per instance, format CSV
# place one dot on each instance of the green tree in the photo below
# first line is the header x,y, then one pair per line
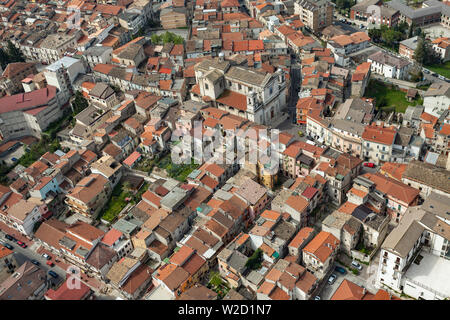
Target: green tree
x,y
155,39
79,103
14,53
4,58
418,31
420,54
254,262
410,30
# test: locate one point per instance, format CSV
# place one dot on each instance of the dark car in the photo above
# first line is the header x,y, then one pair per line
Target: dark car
x,y
10,247
10,238
53,274
340,270
37,263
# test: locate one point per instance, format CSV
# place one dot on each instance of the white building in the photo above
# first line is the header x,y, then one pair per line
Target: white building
x,y
62,73
389,66
98,54
343,45
437,98
415,257
54,45
257,96
24,215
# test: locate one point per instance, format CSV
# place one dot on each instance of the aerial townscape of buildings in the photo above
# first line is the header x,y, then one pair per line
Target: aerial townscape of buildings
x,y
327,130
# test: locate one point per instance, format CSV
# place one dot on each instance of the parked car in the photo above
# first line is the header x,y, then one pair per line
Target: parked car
x,y
317,298
49,263
13,159
46,256
37,263
369,164
53,274
23,245
356,265
332,279
340,270
10,247
10,238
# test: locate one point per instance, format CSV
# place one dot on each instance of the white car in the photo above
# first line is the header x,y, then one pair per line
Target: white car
x,y
46,256
356,265
332,279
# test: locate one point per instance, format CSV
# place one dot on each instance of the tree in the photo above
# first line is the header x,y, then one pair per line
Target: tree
x,y
14,54
4,59
418,32
79,103
420,54
410,30
254,262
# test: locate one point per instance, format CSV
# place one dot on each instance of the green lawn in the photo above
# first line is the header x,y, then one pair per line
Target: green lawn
x,y
442,69
116,203
176,171
388,97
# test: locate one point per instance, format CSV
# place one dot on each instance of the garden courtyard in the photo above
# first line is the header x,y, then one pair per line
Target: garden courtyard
x,y
389,98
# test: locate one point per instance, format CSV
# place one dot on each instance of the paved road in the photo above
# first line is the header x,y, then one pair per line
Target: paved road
x,y
27,254
366,279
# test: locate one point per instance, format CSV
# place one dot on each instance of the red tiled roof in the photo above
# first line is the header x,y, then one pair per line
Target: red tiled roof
x,y
27,100
111,236
132,158
233,99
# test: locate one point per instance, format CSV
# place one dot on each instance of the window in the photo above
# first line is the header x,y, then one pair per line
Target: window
x,y
239,87
206,86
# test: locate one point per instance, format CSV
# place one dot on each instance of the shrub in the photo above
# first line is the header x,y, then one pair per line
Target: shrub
x,y
254,262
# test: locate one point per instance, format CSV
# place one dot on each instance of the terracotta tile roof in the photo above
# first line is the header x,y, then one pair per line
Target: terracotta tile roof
x,y
358,193
428,130
393,188
301,237
194,264
349,291
181,256
322,246
393,170
89,188
347,207
379,134
66,293
4,252
428,118
297,203
279,294
215,170
209,182
111,237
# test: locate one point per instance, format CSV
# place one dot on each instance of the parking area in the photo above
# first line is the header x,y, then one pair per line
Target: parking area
x,y
16,234
92,282
366,277
13,156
